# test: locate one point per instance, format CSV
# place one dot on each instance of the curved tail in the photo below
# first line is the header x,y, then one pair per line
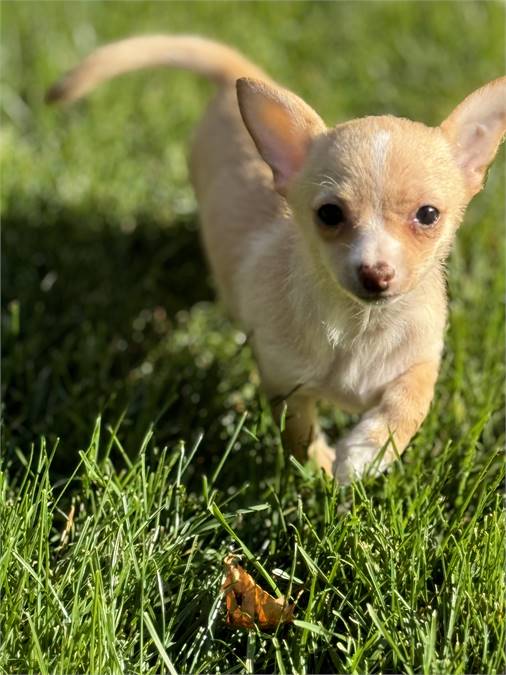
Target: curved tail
x,y
215,61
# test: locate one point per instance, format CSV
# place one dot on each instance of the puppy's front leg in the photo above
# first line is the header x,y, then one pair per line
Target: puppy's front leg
x,y
300,423
400,412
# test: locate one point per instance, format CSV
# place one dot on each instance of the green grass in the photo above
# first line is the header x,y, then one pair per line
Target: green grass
x,y
125,388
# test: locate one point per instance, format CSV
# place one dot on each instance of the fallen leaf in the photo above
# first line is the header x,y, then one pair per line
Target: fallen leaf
x,y
248,604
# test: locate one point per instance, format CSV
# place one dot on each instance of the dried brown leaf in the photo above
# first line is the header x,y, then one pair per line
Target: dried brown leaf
x,y
248,604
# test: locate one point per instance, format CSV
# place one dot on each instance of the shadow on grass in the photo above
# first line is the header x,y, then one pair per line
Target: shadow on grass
x,y
85,306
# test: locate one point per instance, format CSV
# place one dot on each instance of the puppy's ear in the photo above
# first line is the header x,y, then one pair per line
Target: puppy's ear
x,y
475,129
281,125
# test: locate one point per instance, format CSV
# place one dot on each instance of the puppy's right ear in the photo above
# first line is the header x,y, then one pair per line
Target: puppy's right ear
x,y
281,125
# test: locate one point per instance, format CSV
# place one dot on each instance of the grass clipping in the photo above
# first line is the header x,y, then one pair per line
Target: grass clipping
x,y
248,604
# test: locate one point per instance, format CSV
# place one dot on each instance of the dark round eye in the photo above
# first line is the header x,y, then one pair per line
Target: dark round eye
x,y
427,215
330,215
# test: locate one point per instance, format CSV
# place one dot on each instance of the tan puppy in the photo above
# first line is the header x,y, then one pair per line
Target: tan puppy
x,y
327,244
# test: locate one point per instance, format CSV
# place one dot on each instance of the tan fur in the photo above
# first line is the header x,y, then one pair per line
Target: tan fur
x,y
293,282
188,52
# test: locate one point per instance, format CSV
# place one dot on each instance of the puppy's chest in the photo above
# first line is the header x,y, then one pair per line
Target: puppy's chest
x,y
355,380
354,375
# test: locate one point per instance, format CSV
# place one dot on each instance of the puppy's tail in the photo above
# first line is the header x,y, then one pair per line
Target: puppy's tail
x,y
215,61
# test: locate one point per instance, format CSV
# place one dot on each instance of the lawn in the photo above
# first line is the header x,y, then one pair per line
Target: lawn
x,y
138,448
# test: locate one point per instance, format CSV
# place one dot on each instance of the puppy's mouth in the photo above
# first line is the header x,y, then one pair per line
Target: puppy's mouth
x,y
371,298
377,299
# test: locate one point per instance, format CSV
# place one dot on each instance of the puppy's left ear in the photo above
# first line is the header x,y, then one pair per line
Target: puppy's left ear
x,y
475,129
281,125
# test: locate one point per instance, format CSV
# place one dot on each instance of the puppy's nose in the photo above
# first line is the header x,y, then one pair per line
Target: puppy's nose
x,y
376,278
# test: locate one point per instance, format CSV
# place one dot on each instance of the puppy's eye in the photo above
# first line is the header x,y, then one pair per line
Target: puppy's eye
x,y
427,215
330,215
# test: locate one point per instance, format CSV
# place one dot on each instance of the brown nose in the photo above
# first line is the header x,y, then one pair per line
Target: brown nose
x,y
376,278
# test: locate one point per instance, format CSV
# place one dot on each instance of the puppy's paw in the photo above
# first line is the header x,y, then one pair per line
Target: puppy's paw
x,y
357,451
322,454
354,454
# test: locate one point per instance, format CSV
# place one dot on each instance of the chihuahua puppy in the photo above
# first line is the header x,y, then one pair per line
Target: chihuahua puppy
x,y
326,244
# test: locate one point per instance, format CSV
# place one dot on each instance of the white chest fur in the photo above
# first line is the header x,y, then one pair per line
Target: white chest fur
x,y
351,374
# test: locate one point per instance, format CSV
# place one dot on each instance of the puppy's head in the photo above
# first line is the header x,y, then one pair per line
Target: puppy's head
x,y
377,199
